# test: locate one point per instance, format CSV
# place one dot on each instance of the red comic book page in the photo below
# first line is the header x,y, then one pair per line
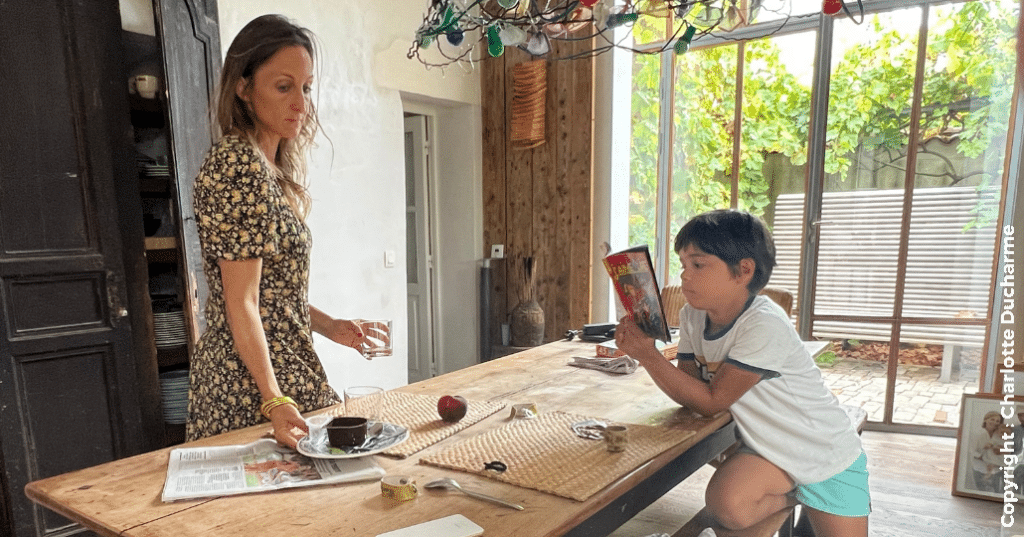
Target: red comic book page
x,y
632,274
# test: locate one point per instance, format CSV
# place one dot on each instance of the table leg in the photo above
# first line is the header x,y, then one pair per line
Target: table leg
x,y
649,490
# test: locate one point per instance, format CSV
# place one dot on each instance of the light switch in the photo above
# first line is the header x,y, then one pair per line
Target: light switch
x,y
497,251
389,258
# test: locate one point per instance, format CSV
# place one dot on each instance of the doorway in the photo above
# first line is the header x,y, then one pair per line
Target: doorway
x,y
419,249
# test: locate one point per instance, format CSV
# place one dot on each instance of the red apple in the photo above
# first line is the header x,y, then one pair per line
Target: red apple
x,y
452,408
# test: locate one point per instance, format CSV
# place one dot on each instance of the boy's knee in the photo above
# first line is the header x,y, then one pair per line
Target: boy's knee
x,y
731,512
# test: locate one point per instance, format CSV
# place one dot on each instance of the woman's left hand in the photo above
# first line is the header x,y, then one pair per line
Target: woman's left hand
x,y
347,333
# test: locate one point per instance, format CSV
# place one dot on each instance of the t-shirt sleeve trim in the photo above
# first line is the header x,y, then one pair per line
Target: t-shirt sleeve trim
x,y
765,374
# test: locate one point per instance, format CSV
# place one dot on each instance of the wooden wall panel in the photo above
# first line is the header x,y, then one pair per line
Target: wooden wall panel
x,y
580,178
547,205
519,191
493,174
553,231
538,202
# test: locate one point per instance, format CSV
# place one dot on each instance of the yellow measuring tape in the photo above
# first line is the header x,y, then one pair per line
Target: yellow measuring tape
x,y
398,487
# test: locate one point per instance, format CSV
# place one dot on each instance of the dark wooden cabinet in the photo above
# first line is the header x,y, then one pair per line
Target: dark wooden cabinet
x,y
190,41
78,359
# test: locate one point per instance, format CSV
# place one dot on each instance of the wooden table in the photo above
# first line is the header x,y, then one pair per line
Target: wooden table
x,y
123,497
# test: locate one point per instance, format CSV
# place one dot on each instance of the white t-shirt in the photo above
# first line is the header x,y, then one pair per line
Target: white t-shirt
x,y
789,417
981,450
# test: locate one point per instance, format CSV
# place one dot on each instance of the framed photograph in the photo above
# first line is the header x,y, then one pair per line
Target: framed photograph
x,y
984,458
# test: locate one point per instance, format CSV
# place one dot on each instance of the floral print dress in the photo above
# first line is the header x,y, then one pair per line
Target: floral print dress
x,y
242,213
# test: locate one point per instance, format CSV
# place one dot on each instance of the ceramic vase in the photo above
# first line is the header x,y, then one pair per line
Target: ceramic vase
x,y
527,324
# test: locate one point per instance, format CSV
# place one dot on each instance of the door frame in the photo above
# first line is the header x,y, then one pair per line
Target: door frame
x,y
426,241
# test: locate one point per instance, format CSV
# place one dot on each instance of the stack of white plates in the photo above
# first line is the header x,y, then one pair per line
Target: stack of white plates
x,y
174,393
170,329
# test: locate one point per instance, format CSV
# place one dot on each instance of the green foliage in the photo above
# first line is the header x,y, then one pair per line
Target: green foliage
x,y
644,153
826,359
966,94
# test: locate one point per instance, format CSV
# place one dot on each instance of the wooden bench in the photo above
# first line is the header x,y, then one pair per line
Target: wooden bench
x,y
948,268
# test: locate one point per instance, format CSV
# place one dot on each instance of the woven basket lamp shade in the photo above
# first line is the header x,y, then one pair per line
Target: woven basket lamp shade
x,y
529,92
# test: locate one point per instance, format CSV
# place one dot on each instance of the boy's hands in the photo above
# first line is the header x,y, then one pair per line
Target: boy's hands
x,y
632,341
682,385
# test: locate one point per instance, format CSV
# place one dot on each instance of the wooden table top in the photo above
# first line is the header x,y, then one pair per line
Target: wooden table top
x,y
123,497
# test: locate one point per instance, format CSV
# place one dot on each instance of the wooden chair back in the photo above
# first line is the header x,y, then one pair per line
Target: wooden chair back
x,y
672,300
781,297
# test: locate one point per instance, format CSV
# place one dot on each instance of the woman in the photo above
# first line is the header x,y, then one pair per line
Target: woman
x,y
256,359
986,461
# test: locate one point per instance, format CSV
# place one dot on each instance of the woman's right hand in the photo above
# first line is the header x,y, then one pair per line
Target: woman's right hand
x,y
347,333
287,421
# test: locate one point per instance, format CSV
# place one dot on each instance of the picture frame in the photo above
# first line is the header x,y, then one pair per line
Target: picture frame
x,y
983,478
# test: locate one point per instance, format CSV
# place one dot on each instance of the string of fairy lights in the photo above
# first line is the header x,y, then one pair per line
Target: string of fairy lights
x,y
466,31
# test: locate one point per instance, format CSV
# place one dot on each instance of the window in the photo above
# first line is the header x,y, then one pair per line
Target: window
x,y
906,231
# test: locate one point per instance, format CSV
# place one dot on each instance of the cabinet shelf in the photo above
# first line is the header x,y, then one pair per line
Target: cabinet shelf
x,y
161,243
158,186
161,249
172,357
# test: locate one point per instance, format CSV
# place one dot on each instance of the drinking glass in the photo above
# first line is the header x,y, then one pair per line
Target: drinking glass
x,y
364,401
378,331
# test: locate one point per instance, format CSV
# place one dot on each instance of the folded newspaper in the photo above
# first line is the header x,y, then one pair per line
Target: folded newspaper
x,y
623,365
260,466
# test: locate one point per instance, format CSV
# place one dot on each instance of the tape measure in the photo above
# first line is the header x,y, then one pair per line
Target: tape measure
x,y
398,487
524,410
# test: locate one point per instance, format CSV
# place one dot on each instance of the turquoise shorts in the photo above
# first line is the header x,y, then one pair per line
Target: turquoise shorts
x,y
844,494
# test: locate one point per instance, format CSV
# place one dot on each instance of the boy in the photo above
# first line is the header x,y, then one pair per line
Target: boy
x,y
738,351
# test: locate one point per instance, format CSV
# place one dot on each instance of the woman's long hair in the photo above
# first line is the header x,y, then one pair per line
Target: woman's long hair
x,y
251,48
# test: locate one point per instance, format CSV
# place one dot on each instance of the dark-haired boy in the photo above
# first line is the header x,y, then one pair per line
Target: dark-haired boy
x,y
738,351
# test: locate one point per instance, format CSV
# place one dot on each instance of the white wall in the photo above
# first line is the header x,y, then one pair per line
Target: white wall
x,y
357,179
358,186
458,211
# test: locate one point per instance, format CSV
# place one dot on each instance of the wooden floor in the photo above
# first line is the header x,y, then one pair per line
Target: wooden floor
x,y
910,481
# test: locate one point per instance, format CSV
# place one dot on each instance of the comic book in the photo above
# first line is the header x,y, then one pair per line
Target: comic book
x,y
632,274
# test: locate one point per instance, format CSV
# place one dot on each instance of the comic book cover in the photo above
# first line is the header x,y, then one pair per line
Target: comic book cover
x,y
632,274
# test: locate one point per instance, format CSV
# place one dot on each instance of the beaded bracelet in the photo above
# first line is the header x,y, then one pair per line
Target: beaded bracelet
x,y
271,404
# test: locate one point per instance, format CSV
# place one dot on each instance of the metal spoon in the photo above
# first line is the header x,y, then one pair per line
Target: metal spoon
x,y
447,482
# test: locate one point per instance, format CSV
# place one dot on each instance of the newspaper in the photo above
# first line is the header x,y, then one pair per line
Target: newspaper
x,y
260,466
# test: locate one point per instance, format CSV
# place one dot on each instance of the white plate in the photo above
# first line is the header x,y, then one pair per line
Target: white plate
x,y
395,435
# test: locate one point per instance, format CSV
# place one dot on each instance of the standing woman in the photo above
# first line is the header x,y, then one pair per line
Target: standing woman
x,y
986,460
256,359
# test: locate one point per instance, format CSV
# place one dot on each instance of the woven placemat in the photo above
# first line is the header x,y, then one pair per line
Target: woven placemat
x,y
546,455
418,413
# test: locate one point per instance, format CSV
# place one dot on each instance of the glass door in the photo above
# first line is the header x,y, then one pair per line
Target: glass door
x,y
907,229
